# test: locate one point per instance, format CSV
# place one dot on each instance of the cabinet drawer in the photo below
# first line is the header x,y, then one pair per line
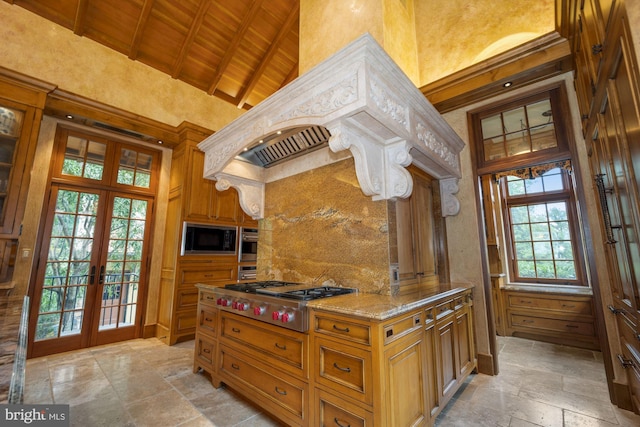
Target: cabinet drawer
x,y
401,327
555,304
345,369
186,299
335,411
353,332
207,298
282,346
281,389
208,320
445,308
205,352
213,273
556,325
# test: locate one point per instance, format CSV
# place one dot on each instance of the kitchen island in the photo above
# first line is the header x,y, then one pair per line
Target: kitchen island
x,y
365,359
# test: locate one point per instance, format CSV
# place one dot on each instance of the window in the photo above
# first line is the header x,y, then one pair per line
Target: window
x,y
540,228
522,146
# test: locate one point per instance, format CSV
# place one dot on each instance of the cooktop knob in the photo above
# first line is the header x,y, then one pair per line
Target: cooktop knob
x,y
242,306
259,310
277,315
288,317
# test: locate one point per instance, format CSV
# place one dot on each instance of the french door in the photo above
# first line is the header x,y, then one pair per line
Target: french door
x,y
89,285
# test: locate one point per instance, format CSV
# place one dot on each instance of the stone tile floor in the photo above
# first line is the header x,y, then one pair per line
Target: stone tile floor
x,y
146,383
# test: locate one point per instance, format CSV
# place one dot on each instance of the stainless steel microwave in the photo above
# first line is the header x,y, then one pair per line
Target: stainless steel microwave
x,y
208,239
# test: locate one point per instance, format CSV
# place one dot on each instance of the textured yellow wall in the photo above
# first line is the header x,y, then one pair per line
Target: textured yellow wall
x,y
400,36
319,226
455,34
49,52
328,25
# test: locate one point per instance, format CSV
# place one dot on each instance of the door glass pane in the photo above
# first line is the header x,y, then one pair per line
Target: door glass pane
x,y
84,158
122,274
134,168
68,264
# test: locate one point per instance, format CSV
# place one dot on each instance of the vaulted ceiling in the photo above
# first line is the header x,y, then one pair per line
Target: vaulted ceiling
x,y
241,51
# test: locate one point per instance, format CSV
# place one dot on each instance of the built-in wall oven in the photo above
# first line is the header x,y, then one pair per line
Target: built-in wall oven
x,y
248,248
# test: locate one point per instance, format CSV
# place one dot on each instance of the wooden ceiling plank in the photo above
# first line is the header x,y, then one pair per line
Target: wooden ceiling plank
x,y
140,27
273,48
81,16
193,31
231,49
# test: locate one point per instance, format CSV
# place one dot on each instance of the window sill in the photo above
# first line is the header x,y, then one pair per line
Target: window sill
x,y
552,289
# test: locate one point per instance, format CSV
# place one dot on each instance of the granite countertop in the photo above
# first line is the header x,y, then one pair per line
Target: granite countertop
x,y
11,344
382,307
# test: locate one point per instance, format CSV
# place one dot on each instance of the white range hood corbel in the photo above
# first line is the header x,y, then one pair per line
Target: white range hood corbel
x,y
371,109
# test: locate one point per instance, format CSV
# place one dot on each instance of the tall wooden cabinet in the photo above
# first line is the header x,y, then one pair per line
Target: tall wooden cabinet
x,y
192,198
21,104
419,231
608,90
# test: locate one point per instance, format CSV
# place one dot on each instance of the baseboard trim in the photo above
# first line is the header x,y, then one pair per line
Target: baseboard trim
x,y
149,331
622,396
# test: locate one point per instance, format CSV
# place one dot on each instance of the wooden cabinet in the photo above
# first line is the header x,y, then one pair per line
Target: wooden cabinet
x,y
418,228
454,344
22,101
206,341
560,318
400,372
267,364
346,370
192,198
203,203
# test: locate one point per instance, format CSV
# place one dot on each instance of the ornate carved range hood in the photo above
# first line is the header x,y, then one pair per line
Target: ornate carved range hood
x,y
365,104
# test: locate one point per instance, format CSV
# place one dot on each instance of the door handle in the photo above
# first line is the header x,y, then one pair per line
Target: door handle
x,y
92,275
101,280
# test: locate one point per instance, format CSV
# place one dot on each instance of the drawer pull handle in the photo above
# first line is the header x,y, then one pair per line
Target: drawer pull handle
x,y
281,347
624,362
528,321
347,369
614,310
236,330
341,329
524,301
339,424
208,319
206,350
236,367
568,305
282,392
209,297
571,326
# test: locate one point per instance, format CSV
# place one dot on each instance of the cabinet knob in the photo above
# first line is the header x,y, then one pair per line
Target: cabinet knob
x,y
596,49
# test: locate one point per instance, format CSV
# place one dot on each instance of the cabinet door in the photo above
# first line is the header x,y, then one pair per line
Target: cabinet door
x,y
417,257
226,205
446,354
16,156
198,202
405,369
431,363
464,338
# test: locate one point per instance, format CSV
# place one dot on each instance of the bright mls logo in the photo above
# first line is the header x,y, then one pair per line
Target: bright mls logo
x,y
34,415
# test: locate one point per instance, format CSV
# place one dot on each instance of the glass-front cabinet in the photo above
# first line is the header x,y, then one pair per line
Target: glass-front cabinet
x,y
11,120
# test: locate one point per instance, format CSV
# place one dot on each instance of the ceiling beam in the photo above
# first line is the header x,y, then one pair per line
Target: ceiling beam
x,y
235,42
140,26
79,21
194,29
266,59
